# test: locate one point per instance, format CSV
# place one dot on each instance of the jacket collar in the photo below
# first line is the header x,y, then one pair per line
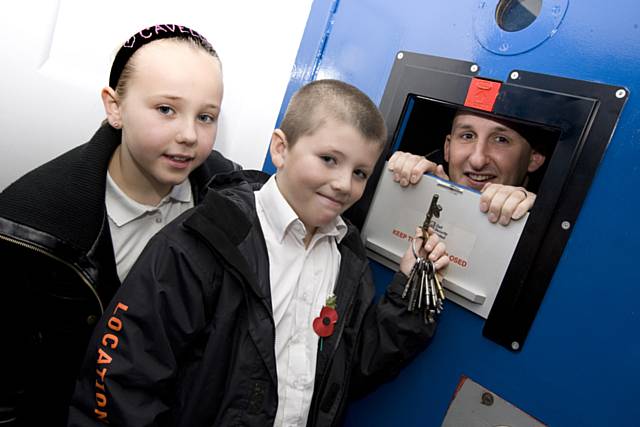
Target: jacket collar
x,y
64,198
227,216
61,204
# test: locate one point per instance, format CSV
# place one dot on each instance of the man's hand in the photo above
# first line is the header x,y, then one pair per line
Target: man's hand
x,y
502,203
432,249
408,168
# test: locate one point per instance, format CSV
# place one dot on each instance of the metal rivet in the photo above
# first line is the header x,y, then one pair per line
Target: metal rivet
x,y
92,319
474,68
514,75
621,93
515,345
487,398
400,55
565,225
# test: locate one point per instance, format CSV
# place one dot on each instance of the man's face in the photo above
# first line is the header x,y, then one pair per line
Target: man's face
x,y
480,151
324,173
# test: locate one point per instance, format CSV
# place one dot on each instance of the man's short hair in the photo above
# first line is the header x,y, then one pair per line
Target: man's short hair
x,y
315,103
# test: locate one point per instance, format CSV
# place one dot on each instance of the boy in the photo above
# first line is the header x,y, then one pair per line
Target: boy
x,y
258,309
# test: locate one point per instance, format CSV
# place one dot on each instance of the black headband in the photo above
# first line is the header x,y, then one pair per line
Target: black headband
x,y
147,35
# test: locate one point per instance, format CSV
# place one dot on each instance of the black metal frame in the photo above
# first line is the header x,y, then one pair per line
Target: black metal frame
x,y
585,113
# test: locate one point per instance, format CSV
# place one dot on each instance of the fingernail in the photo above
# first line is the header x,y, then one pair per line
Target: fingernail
x,y
484,207
492,217
504,220
404,182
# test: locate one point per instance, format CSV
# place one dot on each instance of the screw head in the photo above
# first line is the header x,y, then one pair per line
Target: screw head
x,y
565,225
515,345
514,75
400,55
487,398
474,68
621,93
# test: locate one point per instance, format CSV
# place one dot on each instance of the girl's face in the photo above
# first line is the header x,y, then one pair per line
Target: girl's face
x,y
169,114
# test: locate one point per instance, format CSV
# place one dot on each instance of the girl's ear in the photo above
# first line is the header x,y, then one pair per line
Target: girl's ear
x,y
111,104
278,148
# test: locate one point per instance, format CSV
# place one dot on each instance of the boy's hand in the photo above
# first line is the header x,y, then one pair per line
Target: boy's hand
x,y
432,249
502,203
408,168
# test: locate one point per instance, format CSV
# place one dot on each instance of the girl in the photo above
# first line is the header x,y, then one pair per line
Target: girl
x,y
71,229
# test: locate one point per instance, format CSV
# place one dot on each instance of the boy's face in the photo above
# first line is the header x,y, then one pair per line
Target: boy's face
x,y
480,150
169,112
324,173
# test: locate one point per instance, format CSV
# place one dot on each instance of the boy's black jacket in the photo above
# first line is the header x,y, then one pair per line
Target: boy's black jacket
x,y
58,275
196,346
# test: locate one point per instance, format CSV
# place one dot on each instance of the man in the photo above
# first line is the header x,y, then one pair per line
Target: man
x,y
485,154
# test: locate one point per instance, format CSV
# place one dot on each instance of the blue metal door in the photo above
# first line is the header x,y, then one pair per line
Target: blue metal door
x,y
579,364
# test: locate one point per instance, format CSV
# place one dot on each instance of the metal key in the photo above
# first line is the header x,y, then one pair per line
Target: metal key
x,y
423,288
434,210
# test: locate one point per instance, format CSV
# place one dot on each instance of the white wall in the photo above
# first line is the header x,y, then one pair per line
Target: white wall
x,y
56,57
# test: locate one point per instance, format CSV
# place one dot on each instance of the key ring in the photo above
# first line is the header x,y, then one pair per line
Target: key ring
x,y
413,249
413,246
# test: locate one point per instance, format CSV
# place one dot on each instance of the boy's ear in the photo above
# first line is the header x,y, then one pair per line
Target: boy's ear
x,y
447,142
278,148
111,104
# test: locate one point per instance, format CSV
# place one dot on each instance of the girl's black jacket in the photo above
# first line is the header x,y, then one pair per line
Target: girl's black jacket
x,y
58,275
188,340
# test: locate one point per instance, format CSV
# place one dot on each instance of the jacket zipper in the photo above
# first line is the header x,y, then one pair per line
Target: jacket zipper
x,y
325,374
52,256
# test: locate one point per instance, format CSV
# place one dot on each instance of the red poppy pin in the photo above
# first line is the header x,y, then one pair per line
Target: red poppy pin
x,y
324,324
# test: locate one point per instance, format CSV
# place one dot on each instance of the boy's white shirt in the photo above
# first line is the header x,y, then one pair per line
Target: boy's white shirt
x,y
301,280
133,224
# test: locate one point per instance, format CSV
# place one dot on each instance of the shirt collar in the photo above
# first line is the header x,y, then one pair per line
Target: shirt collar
x,y
122,209
281,216
180,193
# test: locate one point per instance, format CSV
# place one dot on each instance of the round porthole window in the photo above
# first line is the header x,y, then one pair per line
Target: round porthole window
x,y
516,15
511,27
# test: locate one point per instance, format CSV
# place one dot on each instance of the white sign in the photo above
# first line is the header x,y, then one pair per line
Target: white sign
x,y
479,251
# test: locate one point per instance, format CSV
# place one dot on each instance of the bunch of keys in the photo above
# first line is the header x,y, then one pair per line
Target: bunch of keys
x,y
423,287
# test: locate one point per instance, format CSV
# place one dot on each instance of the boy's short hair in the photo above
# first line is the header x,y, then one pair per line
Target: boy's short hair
x,y
314,103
